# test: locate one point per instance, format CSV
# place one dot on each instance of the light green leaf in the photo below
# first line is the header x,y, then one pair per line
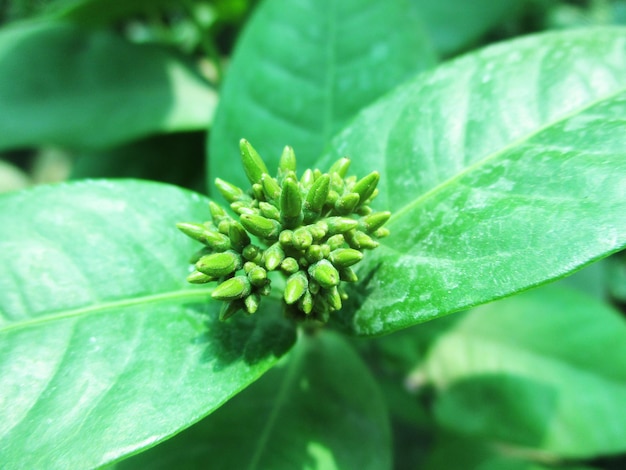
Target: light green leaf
x,y
504,169
544,370
63,85
104,348
302,69
319,410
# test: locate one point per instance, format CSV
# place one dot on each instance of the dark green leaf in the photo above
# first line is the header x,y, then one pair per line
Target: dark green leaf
x,y
176,158
454,451
104,347
319,410
303,68
456,24
544,370
504,169
63,85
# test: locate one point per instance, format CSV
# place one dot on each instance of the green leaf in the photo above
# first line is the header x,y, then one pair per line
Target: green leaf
x,y
104,348
503,169
63,85
457,24
304,68
544,370
319,410
452,451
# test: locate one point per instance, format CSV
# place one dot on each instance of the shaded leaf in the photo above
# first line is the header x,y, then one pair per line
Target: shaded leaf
x,y
63,85
504,169
302,69
457,24
319,410
104,347
544,370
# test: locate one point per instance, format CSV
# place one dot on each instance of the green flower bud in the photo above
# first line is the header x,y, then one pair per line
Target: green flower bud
x,y
252,303
316,197
230,308
229,191
306,302
290,204
257,191
270,188
217,213
314,254
333,196
344,257
332,297
360,241
224,226
286,238
287,161
302,238
234,288
266,288
261,226
374,221
347,275
252,163
289,265
238,236
365,187
340,167
243,207
336,241
258,276
201,233
249,266
219,264
324,273
307,179
381,232
314,287
197,277
273,256
346,203
318,230
295,287
252,253
340,224
269,211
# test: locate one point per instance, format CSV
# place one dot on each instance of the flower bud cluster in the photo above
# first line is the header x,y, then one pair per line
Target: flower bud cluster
x,y
311,228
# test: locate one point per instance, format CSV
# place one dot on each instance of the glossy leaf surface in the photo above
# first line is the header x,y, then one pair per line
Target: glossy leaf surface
x,y
503,169
544,370
321,409
104,347
63,85
303,68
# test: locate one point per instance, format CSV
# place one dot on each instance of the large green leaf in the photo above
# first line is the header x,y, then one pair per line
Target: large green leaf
x,y
504,169
104,348
457,24
544,370
319,410
63,85
303,68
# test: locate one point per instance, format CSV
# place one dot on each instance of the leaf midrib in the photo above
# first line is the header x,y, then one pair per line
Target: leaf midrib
x,y
162,298
493,155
